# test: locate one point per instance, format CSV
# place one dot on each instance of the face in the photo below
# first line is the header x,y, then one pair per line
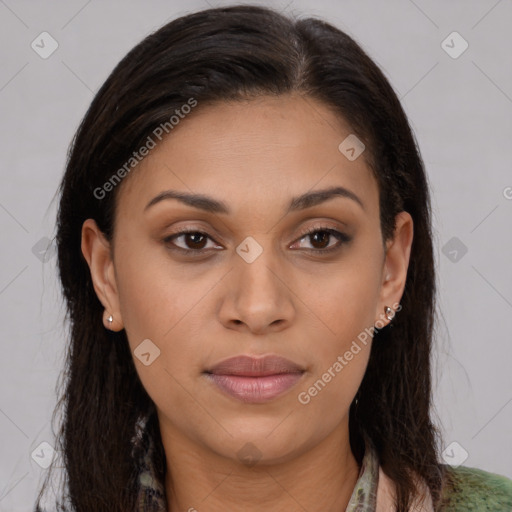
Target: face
x,y
264,271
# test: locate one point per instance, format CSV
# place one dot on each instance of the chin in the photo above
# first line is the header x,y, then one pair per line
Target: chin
x,y
261,446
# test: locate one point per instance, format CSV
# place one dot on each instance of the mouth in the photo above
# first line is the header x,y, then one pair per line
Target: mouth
x,y
255,380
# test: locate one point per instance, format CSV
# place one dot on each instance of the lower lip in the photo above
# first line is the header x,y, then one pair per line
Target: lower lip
x,y
255,390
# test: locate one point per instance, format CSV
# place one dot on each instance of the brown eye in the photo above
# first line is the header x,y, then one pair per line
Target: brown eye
x,y
321,239
195,240
191,241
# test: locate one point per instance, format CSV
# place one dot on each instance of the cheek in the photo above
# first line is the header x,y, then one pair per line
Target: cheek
x,y
340,348
344,303
154,293
166,304
157,304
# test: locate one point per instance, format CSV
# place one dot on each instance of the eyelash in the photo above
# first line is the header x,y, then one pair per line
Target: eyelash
x,y
342,239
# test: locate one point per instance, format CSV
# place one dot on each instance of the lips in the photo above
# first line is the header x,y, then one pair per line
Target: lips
x,y
255,380
247,366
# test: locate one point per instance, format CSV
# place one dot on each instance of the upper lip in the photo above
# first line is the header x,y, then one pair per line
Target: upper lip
x,y
250,366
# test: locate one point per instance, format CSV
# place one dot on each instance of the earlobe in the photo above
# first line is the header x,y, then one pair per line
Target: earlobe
x,y
111,323
97,252
396,264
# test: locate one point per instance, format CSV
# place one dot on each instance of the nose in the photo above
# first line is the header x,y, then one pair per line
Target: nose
x,y
258,298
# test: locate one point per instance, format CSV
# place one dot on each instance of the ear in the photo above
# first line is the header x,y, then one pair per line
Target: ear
x,y
396,263
98,254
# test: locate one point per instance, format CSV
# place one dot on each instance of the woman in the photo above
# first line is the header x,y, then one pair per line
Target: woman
x,y
245,249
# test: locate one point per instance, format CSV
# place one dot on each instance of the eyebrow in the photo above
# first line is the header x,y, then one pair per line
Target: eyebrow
x,y
211,205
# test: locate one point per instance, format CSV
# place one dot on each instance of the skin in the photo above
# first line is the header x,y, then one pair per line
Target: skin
x,y
290,301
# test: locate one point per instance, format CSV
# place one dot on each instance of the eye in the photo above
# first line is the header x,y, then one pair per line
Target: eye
x,y
195,241
321,236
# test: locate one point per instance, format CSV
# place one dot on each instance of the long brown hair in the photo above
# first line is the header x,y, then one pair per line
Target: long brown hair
x,y
212,56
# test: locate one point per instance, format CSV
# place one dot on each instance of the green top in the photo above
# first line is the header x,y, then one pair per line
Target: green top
x,y
472,489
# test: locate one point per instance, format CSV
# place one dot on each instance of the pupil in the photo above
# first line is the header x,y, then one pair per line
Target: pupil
x,y
325,236
193,236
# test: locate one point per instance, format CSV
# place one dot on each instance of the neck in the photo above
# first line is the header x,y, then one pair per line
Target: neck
x,y
320,478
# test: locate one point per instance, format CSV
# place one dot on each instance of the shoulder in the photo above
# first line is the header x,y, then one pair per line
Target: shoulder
x,y
472,489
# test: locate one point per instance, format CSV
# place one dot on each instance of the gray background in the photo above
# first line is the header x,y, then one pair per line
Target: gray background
x,y
461,112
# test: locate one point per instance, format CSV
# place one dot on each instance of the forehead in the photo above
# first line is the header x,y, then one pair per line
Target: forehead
x,y
268,148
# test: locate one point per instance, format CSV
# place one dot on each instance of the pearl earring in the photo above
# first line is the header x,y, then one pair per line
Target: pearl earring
x,y
389,313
